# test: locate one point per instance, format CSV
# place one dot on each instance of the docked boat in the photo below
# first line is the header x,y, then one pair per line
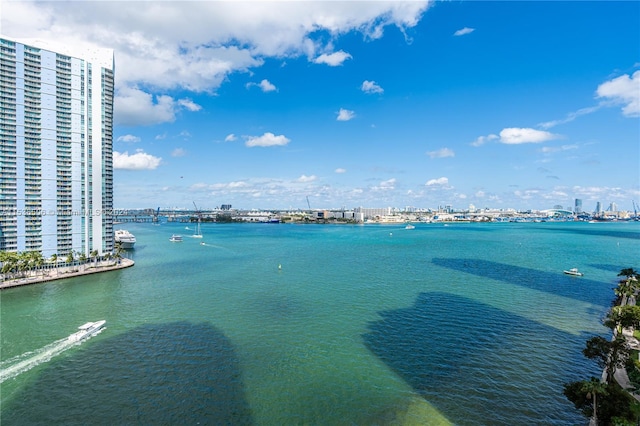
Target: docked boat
x,y
87,330
125,238
574,272
176,238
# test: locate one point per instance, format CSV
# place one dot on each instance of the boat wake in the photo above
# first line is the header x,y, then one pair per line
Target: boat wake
x,y
15,366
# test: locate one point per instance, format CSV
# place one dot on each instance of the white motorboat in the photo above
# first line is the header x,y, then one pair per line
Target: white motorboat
x,y
574,272
87,330
409,226
126,239
176,238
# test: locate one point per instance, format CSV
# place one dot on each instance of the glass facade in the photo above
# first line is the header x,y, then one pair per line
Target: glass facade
x,y
56,167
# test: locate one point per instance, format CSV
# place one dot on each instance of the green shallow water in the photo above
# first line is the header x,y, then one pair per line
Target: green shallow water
x,y
460,324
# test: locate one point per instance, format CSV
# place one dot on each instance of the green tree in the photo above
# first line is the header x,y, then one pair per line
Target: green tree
x,y
54,259
628,272
94,256
593,388
620,317
609,354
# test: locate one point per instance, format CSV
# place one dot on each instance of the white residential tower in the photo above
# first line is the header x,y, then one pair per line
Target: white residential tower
x,y
56,145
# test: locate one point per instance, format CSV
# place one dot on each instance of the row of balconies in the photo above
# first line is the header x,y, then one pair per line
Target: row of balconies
x,y
7,85
9,67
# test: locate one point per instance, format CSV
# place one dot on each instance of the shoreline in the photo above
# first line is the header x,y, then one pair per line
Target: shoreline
x,y
67,272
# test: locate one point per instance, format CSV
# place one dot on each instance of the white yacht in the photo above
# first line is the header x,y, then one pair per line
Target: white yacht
x,y
176,238
125,238
574,272
87,330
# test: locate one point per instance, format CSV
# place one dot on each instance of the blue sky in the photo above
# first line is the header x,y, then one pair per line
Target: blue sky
x,y
522,105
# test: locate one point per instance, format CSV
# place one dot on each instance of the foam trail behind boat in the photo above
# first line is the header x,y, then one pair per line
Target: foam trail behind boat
x,y
17,365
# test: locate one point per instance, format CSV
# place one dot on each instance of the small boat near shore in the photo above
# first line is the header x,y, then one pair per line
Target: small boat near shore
x,y
87,330
574,272
409,226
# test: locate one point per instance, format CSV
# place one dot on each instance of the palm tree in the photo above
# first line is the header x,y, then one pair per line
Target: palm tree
x,y
82,260
628,272
118,253
9,263
628,285
70,259
54,259
594,387
94,257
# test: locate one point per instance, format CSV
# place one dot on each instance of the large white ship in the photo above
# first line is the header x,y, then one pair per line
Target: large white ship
x,y
125,238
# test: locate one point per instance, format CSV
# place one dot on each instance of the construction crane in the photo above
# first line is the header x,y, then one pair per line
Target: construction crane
x,y
635,210
308,204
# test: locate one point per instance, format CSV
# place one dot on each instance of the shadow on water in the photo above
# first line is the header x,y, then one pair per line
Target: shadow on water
x,y
480,365
615,233
176,373
578,288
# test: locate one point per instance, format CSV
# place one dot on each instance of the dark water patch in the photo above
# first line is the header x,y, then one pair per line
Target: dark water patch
x,y
578,288
610,232
479,365
611,268
163,374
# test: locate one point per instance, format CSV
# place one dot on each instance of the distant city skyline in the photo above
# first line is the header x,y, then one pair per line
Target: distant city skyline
x,y
521,105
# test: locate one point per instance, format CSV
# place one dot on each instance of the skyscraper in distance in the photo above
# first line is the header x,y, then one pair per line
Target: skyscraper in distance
x,y
56,148
578,206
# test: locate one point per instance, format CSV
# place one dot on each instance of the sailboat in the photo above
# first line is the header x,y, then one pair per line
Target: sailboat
x,y
197,233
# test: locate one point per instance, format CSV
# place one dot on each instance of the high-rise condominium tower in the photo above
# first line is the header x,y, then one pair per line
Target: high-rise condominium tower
x,y
56,147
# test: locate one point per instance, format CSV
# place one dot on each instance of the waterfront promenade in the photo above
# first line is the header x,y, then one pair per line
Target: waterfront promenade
x,y
64,272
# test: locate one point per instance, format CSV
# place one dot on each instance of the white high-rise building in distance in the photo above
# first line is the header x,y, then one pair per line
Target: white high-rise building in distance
x,y
56,148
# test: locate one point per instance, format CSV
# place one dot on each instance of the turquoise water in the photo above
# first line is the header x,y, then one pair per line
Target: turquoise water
x,y
462,324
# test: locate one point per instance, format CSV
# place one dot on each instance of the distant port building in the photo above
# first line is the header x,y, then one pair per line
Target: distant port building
x,y
56,147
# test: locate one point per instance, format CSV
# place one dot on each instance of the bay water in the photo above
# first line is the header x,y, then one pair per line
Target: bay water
x,y
265,324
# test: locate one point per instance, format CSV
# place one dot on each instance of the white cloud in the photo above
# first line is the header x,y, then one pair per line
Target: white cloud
x,y
345,115
371,87
134,107
443,181
552,149
332,59
128,138
265,85
484,139
464,31
570,117
166,45
268,139
517,135
189,105
340,170
527,194
385,185
305,178
623,90
230,137
441,153
480,194
138,161
178,152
